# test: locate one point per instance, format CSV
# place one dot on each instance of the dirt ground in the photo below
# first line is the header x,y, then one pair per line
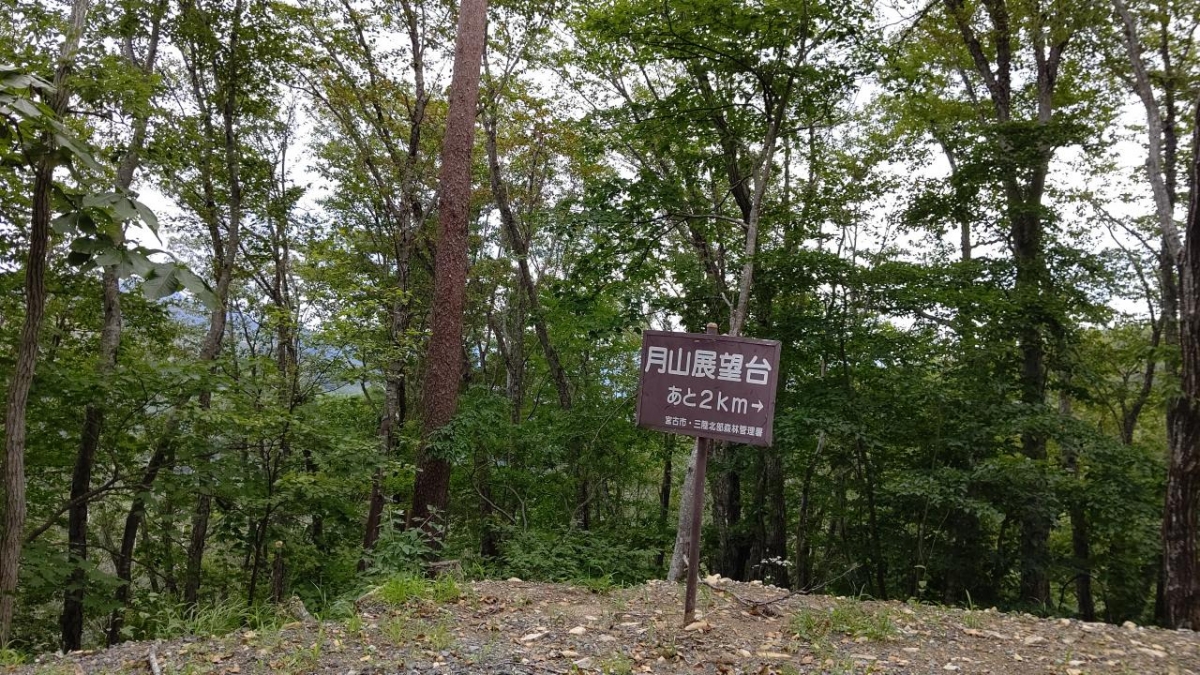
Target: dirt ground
x,y
540,629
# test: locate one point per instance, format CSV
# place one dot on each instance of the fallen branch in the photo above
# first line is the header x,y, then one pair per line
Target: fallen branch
x,y
755,606
763,606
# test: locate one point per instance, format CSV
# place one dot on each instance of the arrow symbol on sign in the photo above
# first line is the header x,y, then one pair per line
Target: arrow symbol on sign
x,y
758,406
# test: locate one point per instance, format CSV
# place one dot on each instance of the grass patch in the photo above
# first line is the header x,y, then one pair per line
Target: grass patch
x,y
972,619
402,630
598,585
617,665
10,658
162,619
844,618
306,659
403,589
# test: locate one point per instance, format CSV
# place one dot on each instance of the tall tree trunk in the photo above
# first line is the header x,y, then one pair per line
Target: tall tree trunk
x,y
258,553
804,562
1081,545
277,574
195,553
371,529
403,209
751,208
1181,518
965,543
1169,274
396,397
18,395
489,539
732,552
287,344
758,567
123,560
71,620
110,340
1036,519
27,347
1180,596
776,541
443,369
229,110
1024,187
518,240
683,528
878,562
390,422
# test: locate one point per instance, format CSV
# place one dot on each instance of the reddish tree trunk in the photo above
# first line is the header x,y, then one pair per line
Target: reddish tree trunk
x,y
443,367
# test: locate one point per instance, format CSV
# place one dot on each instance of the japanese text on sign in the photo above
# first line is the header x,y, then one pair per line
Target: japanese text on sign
x,y
708,385
704,363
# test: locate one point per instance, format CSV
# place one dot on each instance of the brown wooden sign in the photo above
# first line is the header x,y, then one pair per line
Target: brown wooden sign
x,y
709,386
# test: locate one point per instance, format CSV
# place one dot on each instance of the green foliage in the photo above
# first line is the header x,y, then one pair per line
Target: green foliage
x,y
96,221
159,617
576,556
900,466
26,125
400,551
403,589
845,617
403,629
10,658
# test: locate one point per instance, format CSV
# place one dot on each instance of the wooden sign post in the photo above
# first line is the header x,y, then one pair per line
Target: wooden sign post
x,y
703,445
712,387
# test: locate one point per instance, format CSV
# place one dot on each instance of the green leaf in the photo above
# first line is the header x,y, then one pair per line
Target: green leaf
x,y
78,150
67,222
12,78
198,287
139,263
99,200
78,258
161,282
147,216
109,256
88,245
29,110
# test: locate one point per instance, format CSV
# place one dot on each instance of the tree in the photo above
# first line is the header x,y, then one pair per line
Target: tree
x,y
35,306
1024,148
443,360
384,110
720,99
1181,515
110,339
220,84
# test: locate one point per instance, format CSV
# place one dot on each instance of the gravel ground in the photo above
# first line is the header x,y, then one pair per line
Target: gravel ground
x,y
540,629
